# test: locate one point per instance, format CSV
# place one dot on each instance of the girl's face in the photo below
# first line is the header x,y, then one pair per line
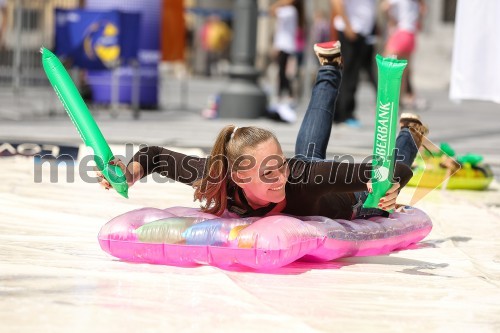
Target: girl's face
x,y
262,174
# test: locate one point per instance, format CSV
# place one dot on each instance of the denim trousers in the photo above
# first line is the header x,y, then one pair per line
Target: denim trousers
x,y
316,127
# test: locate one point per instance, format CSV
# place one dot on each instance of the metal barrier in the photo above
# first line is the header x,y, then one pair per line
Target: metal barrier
x,y
30,24
26,26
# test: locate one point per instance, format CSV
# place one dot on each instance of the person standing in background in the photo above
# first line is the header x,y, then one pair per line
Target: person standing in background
x,y
354,21
287,14
216,37
404,19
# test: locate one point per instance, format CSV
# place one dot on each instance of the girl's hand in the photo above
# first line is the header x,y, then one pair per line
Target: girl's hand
x,y
388,202
131,178
101,180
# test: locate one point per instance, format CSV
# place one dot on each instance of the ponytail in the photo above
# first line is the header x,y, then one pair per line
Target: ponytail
x,y
212,188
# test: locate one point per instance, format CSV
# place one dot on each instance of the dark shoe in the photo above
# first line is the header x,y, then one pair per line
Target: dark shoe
x,y
328,53
417,129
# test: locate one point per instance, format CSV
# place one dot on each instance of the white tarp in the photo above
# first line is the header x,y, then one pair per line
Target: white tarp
x,y
475,72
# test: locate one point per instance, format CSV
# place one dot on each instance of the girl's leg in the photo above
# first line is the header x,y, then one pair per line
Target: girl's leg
x,y
316,127
406,149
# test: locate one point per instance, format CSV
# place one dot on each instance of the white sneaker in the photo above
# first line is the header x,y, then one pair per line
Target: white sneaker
x,y
286,113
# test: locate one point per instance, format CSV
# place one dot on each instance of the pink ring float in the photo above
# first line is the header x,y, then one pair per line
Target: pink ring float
x,y
185,236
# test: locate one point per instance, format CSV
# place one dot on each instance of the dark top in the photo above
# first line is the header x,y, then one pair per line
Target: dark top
x,y
314,187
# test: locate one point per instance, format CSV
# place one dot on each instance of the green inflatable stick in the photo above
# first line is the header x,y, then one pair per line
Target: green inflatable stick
x,y
83,120
390,72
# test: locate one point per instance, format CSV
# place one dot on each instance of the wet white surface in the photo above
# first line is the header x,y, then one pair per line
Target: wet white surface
x,y
55,278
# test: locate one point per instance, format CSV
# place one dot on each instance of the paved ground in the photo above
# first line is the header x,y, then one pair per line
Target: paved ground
x,y
54,277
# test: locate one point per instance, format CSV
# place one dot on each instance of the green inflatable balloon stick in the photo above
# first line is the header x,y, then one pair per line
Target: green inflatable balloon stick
x,y
83,120
390,72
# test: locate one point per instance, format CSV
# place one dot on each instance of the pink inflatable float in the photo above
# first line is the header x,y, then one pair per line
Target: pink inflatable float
x,y
185,236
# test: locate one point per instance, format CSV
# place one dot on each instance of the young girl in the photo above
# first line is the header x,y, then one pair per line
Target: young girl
x,y
248,174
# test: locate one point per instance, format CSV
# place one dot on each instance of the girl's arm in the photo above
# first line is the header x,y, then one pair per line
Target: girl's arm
x,y
171,164
339,10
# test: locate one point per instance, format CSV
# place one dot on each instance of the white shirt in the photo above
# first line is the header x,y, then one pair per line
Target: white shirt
x,y
361,15
286,29
406,13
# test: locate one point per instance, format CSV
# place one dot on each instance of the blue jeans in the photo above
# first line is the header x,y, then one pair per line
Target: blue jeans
x,y
316,128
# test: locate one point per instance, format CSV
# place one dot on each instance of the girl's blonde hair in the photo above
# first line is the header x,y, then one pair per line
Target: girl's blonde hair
x,y
231,143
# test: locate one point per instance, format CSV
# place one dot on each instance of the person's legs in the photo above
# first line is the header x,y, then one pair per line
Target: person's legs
x,y
316,127
352,52
368,65
347,54
284,82
409,85
360,49
368,62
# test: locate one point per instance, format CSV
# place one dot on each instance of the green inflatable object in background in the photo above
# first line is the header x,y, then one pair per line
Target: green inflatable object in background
x,y
390,72
83,120
472,159
446,148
